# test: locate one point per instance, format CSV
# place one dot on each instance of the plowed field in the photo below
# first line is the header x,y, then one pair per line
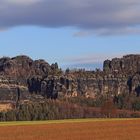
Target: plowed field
x,y
92,129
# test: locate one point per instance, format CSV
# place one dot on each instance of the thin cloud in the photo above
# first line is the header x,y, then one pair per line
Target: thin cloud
x,y
89,61
89,66
108,32
91,58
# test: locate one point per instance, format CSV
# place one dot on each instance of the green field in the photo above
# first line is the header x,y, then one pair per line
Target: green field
x,y
18,123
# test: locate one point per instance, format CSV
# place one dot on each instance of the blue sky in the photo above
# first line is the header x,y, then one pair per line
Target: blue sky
x,y
67,38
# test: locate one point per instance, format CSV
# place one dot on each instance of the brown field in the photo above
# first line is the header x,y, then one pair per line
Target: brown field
x,y
114,129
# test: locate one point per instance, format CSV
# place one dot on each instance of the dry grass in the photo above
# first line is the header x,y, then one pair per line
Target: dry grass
x,y
78,130
5,106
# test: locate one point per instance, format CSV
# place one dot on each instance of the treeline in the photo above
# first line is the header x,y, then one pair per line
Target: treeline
x,y
122,101
127,101
73,108
48,110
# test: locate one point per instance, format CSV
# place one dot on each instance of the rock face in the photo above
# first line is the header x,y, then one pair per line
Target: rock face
x,y
17,70
22,67
129,64
119,76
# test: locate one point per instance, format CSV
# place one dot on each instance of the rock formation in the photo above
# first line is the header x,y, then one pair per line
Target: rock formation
x,y
119,76
22,67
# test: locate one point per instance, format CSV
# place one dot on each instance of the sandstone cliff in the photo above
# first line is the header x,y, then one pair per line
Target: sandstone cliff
x,y
119,76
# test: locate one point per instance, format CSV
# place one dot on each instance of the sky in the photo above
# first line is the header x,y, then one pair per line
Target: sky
x,y
74,33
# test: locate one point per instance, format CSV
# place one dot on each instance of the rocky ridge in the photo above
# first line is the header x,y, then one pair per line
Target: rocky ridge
x,y
37,77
